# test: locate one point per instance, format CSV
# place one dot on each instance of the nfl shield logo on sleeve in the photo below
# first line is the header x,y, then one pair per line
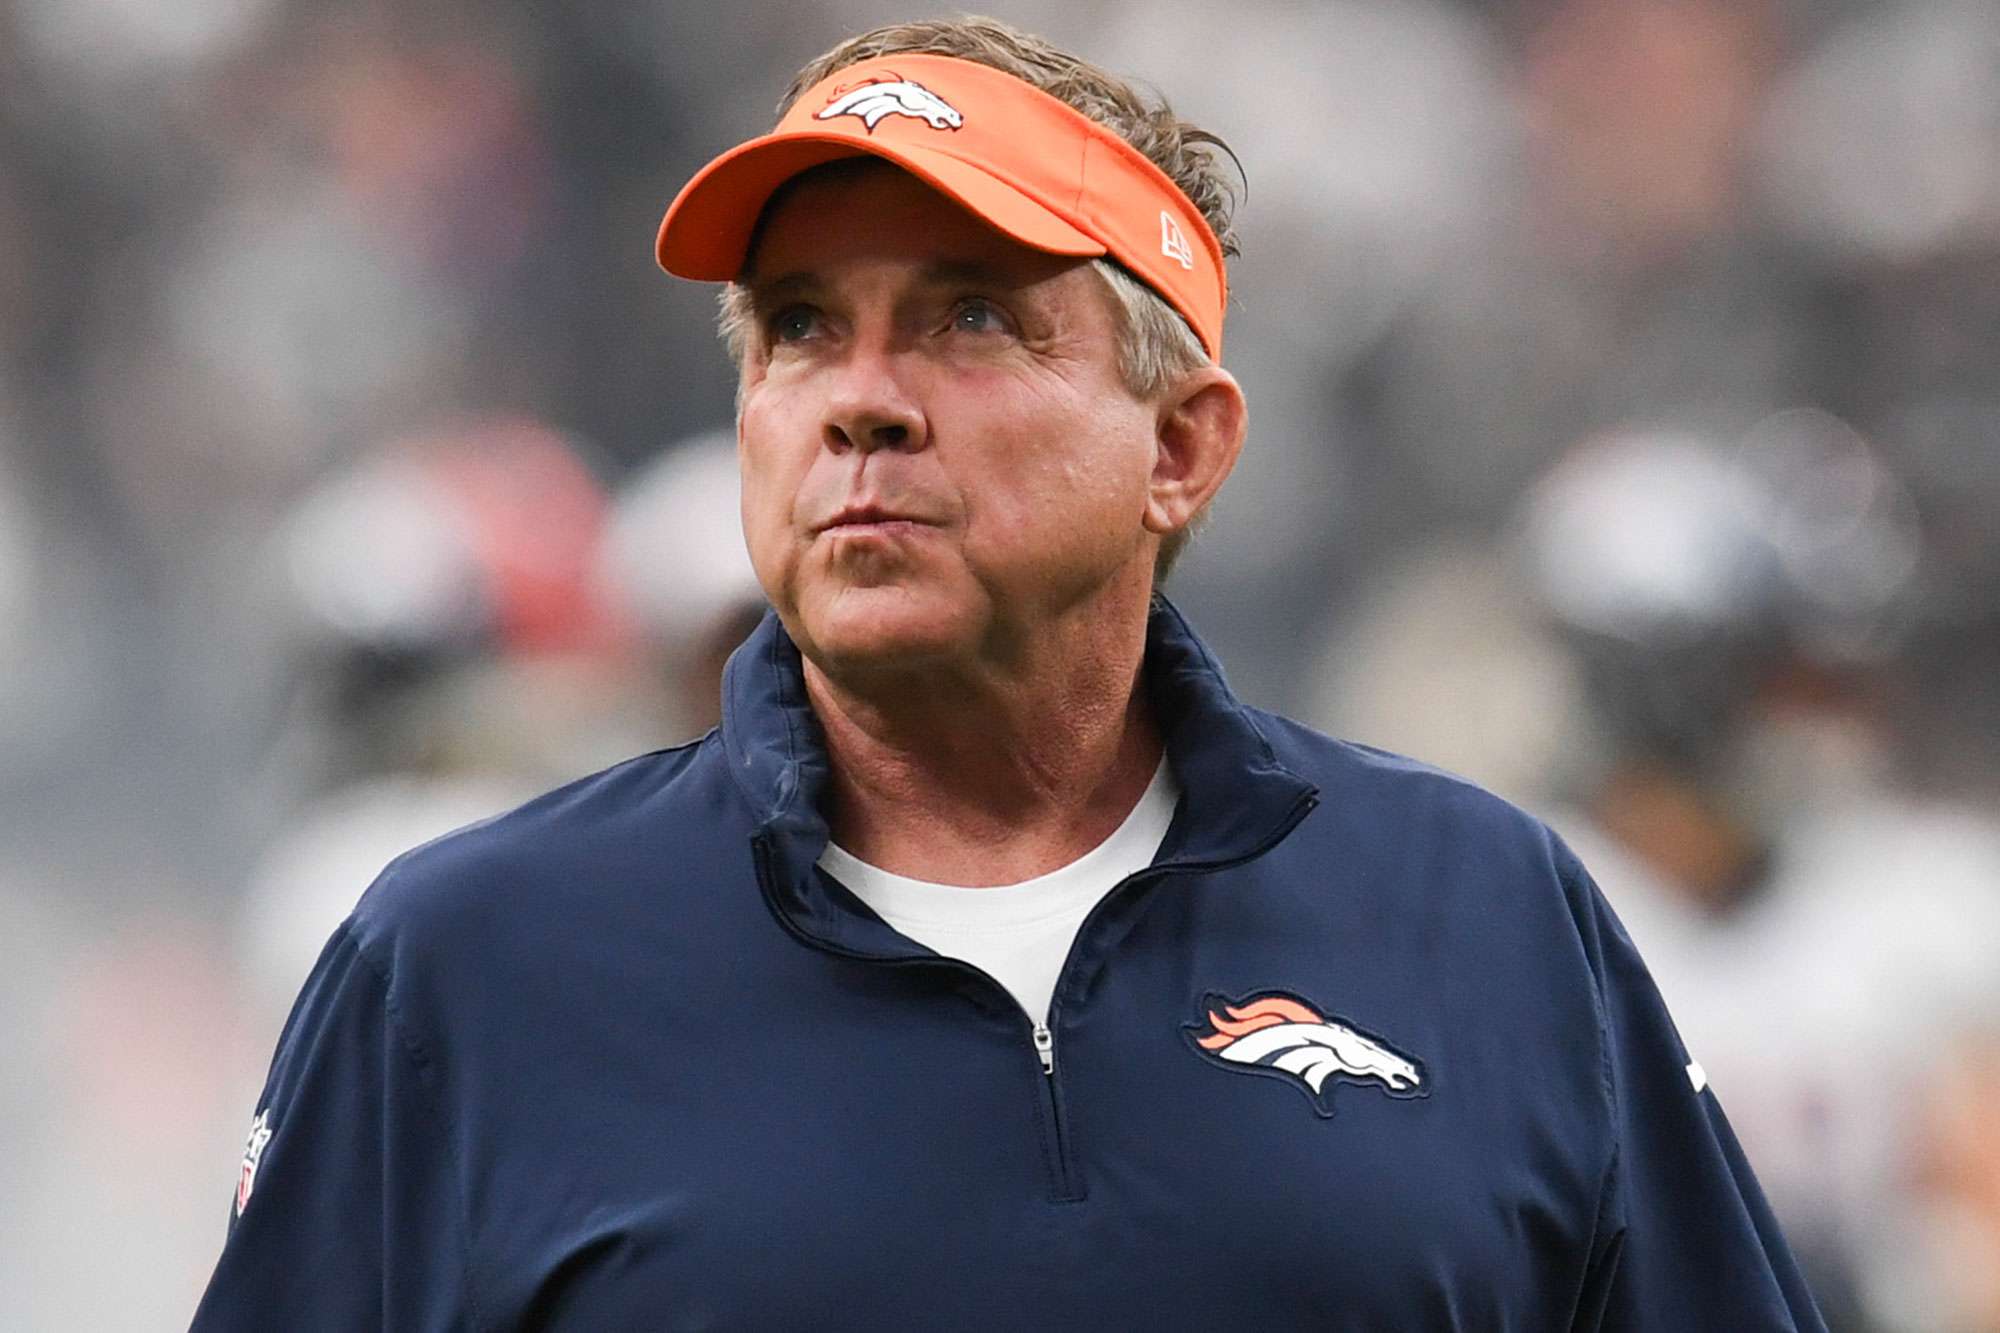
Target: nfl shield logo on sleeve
x,y
253,1153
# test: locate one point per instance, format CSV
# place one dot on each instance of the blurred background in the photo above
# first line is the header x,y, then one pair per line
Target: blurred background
x,y
1625,385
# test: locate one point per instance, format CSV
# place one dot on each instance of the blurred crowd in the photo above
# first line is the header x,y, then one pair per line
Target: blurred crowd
x,y
1625,393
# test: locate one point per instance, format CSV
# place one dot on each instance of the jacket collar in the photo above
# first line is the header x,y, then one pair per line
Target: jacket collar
x,y
1237,797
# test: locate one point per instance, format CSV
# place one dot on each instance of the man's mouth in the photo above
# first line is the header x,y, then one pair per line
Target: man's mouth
x,y
862,516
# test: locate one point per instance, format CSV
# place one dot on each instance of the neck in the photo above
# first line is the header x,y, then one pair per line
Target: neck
x,y
982,775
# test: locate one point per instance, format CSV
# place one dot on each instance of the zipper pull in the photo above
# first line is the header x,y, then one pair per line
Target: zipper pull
x,y
1045,1047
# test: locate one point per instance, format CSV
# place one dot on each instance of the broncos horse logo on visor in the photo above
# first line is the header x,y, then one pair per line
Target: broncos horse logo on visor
x,y
1274,1032
892,97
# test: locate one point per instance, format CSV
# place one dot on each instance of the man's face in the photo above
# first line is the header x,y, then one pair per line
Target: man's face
x,y
939,457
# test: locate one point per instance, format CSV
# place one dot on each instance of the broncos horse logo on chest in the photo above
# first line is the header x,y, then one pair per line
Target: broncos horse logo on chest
x,y
892,96
1274,1032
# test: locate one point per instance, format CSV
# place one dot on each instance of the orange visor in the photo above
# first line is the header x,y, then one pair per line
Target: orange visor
x,y
1031,166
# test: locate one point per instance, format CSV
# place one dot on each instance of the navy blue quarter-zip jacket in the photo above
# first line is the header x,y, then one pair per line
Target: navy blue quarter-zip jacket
x,y
1363,1049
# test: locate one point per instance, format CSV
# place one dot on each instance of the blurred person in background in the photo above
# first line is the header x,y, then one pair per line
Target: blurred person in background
x,y
673,558
988,922
454,651
1825,938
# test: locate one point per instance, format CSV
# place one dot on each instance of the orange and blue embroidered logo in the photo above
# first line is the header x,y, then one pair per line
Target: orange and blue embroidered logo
x,y
1277,1033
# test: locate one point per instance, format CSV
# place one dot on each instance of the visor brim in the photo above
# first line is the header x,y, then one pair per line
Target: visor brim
x,y
707,230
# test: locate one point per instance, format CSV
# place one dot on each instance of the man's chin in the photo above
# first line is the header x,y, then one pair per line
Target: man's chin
x,y
876,631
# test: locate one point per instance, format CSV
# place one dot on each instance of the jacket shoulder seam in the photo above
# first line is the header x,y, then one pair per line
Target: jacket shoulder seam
x,y
426,1069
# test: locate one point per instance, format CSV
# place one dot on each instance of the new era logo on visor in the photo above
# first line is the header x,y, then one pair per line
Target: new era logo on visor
x,y
1277,1033
1174,242
892,97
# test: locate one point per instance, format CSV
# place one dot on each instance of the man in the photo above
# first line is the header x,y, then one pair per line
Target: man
x,y
991,965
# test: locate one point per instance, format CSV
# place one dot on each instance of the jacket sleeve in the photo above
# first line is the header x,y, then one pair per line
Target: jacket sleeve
x,y
347,1212
1684,1236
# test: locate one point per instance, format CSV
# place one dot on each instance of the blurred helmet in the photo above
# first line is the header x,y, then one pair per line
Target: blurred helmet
x,y
673,554
434,551
1686,573
478,535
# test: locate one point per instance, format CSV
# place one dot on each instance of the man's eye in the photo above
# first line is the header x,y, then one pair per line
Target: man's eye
x,y
979,316
793,323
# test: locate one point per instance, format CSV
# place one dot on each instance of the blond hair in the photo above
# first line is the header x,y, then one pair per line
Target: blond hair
x,y
1155,344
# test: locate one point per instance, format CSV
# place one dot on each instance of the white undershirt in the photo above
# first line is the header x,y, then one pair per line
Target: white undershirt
x,y
1019,934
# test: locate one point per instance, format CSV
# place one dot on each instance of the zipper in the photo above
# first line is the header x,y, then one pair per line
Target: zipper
x,y
1041,1037
1068,1187
1065,1187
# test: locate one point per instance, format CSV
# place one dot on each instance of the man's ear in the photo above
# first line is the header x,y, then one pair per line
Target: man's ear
x,y
1202,421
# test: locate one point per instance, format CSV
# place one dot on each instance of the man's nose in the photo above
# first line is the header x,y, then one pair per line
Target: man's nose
x,y
869,408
